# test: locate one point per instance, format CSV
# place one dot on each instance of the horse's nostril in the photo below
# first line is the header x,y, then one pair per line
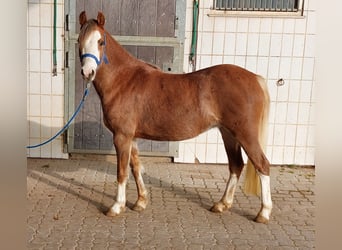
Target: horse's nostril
x,y
82,73
92,72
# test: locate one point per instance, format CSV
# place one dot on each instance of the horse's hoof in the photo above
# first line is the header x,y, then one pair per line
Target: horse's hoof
x,y
112,212
139,206
261,219
219,207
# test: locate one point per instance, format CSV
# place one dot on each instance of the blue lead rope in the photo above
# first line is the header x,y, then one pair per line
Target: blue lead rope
x,y
66,126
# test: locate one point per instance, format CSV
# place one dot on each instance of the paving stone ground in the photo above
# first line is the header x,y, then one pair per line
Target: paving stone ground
x,y
66,200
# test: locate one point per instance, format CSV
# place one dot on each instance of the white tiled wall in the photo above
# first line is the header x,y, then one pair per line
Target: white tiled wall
x,y
45,97
272,47
275,48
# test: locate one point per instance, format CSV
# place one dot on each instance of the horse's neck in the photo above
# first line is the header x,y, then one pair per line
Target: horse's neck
x,y
118,59
117,55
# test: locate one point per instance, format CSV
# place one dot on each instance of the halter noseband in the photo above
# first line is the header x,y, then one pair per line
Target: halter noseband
x,y
104,56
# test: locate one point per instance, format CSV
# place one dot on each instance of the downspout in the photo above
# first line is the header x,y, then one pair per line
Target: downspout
x,y
54,51
193,50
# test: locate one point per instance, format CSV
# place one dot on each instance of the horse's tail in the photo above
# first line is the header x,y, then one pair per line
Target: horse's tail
x,y
252,180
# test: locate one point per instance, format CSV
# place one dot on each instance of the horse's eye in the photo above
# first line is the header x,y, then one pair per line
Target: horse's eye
x,y
101,42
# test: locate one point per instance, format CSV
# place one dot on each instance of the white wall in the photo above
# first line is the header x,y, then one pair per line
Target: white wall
x,y
45,97
274,48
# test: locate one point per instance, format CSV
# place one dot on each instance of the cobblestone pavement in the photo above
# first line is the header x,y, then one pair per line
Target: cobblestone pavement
x,y
66,200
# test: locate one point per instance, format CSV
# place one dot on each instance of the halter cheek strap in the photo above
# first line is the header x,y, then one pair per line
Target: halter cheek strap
x,y
104,56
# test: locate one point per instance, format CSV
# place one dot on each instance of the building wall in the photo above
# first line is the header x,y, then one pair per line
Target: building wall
x,y
274,48
45,97
270,46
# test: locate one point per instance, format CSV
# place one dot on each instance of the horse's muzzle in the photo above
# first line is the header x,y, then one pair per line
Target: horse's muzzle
x,y
88,76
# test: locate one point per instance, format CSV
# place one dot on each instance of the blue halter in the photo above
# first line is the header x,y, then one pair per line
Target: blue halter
x,y
104,56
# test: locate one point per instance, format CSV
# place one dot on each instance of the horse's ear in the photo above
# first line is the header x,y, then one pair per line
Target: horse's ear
x,y
101,19
83,18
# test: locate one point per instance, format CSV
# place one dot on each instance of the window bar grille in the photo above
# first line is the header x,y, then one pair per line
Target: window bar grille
x,y
219,3
264,4
257,5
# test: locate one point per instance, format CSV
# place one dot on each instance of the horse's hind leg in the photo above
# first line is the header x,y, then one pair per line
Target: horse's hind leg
x,y
136,167
233,150
255,154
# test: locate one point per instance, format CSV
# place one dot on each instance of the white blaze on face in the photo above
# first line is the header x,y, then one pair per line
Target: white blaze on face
x,y
90,46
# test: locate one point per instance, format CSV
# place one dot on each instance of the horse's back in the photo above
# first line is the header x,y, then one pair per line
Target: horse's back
x,y
205,98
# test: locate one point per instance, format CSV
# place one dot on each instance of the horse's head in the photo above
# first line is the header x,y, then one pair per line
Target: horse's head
x,y
92,45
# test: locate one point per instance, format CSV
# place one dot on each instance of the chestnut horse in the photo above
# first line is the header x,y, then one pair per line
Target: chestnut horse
x,y
141,101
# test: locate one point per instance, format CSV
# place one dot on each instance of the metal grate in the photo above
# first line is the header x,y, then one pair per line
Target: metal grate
x,y
257,5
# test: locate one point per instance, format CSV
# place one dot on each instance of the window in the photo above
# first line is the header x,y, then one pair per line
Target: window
x,y
259,5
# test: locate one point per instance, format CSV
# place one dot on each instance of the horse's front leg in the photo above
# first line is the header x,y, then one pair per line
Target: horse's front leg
x,y
123,145
142,200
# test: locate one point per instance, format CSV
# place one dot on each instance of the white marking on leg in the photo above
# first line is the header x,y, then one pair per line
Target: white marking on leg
x,y
121,198
141,202
142,169
230,189
228,196
120,203
142,193
142,184
265,196
142,196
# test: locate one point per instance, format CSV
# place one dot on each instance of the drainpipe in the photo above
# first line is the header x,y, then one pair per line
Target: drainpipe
x,y
54,51
193,50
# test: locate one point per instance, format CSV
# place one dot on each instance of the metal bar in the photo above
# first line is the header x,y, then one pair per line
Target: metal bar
x,y
263,7
147,40
142,40
54,51
228,4
247,4
219,4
